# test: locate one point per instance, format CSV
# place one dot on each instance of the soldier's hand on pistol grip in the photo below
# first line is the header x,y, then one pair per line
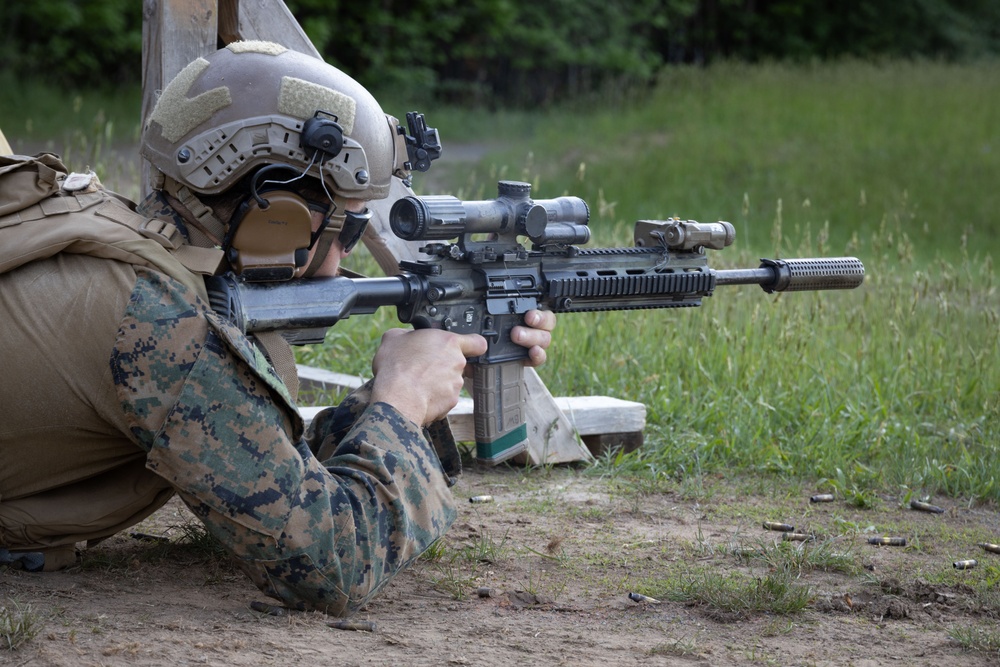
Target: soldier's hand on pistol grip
x,y
420,372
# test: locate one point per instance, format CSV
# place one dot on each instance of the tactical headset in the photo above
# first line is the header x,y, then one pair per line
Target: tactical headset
x,y
270,238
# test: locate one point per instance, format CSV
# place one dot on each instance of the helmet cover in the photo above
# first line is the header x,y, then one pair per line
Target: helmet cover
x,y
245,106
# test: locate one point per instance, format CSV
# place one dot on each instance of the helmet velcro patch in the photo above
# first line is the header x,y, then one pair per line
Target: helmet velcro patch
x,y
176,113
302,99
256,46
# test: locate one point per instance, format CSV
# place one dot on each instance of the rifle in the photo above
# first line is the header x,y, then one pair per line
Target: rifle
x,y
486,281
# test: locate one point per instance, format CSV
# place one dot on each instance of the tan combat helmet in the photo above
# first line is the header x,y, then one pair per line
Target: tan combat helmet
x,y
247,105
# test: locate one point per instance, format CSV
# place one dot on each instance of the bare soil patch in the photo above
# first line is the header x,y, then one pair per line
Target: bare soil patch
x,y
560,552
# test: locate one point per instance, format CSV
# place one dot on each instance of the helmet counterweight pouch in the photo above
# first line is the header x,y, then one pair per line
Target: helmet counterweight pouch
x,y
271,242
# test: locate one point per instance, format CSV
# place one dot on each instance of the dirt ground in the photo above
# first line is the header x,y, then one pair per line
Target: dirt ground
x,y
560,552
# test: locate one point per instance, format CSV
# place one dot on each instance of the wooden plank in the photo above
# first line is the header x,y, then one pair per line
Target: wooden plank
x,y
597,415
590,415
551,434
174,33
229,21
320,378
602,422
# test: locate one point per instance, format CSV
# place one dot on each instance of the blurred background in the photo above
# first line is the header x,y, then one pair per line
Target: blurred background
x,y
513,53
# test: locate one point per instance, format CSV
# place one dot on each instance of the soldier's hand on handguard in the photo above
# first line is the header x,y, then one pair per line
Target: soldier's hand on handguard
x,y
536,336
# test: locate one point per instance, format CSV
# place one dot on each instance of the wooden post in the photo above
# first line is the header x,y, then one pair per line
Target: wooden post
x,y
268,20
175,32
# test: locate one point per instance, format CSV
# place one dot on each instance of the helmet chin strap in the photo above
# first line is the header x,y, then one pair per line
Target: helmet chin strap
x,y
205,219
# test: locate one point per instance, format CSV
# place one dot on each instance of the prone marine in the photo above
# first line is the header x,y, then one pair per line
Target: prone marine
x,y
121,385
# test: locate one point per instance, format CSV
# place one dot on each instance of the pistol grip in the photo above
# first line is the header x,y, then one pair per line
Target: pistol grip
x,y
498,410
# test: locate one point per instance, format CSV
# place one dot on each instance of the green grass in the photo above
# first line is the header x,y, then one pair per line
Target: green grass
x,y
95,129
893,385
896,383
853,145
734,594
19,624
980,638
797,558
36,113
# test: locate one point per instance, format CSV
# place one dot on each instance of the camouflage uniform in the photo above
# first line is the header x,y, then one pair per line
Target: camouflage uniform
x,y
319,520
324,521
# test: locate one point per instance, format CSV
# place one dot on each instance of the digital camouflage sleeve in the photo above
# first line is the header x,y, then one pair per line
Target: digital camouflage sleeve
x,y
219,425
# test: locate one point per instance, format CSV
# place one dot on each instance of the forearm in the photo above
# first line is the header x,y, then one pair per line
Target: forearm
x,y
355,520
329,427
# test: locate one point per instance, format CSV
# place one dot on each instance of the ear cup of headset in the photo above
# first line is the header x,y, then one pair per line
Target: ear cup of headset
x,y
272,242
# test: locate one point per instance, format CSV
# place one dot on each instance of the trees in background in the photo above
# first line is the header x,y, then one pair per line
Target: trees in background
x,y
530,52
520,52
78,43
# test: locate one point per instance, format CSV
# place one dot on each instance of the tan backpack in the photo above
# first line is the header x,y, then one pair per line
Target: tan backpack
x,y
44,210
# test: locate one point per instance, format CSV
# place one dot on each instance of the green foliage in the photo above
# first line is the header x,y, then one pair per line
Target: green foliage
x,y
811,29
488,51
796,558
19,624
507,53
789,154
734,594
982,638
79,43
859,489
